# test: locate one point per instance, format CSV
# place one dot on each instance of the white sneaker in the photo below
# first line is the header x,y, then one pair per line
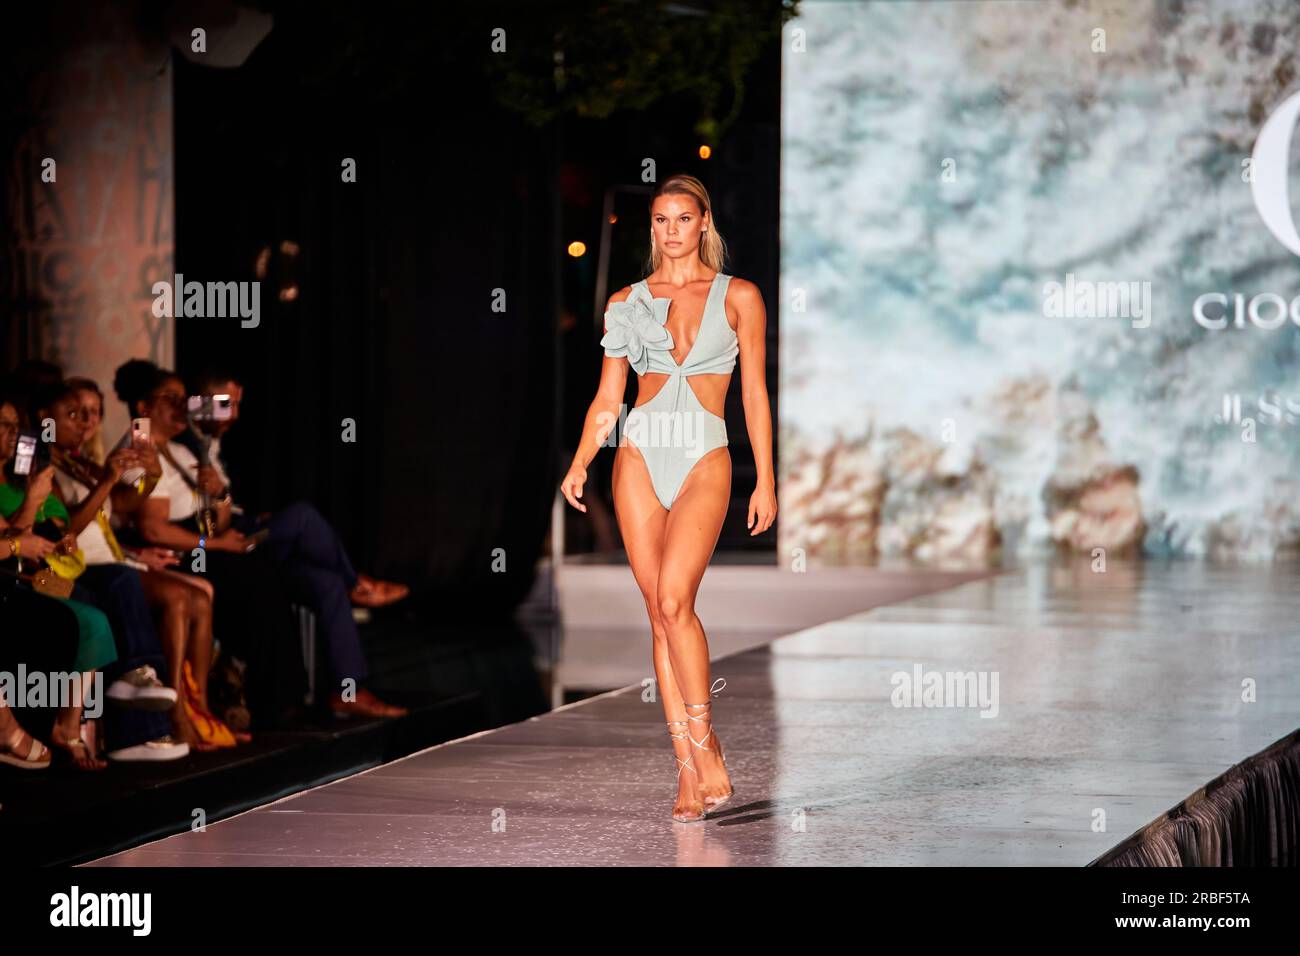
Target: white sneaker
x,y
140,689
164,748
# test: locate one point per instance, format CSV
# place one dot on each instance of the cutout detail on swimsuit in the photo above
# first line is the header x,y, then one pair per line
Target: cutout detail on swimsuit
x,y
681,429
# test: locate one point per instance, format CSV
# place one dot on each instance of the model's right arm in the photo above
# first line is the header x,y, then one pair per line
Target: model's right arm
x,y
602,415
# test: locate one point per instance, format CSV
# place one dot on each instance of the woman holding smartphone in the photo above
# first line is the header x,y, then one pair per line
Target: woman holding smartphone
x,y
26,503
250,612
183,603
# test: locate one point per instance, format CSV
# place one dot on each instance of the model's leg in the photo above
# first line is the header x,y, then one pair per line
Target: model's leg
x,y
690,535
641,520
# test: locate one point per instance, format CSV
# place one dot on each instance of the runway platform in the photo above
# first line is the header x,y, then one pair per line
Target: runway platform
x,y
1117,696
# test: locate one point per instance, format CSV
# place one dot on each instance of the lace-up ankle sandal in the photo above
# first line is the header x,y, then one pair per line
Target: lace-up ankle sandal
x,y
717,802
683,818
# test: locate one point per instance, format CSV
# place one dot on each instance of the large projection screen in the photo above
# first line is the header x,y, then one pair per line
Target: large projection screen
x,y
1039,279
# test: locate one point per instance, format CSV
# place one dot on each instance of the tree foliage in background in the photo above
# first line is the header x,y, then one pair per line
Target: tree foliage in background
x,y
607,56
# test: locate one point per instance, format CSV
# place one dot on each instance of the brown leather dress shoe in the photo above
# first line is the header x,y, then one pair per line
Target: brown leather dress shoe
x,y
370,592
366,705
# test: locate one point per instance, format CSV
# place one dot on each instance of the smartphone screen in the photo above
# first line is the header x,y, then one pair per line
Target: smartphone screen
x,y
25,453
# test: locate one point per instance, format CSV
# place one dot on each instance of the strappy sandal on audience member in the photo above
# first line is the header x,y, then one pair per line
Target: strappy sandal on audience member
x,y
34,756
77,753
370,592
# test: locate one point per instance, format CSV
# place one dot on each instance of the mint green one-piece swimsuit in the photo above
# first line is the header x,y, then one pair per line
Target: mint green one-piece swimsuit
x,y
673,430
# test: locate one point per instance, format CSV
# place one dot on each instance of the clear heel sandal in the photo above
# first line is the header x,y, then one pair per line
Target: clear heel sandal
x,y
717,802
685,764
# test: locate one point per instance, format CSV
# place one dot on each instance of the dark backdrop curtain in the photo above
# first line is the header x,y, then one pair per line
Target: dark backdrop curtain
x,y
392,324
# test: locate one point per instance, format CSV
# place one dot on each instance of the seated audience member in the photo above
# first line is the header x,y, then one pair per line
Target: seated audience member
x,y
129,587
100,602
250,613
302,530
308,550
23,505
91,400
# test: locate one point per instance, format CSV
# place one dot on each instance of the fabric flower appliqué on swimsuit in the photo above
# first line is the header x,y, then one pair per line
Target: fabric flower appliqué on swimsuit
x,y
636,325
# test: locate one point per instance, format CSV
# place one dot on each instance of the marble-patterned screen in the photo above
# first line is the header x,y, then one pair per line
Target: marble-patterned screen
x,y
1040,279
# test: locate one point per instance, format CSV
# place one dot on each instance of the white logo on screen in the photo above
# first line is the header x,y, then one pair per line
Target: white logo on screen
x,y
1269,183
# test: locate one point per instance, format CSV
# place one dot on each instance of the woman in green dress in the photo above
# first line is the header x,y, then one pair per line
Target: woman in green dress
x,y
25,505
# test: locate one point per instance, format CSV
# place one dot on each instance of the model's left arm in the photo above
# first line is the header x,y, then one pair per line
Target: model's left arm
x,y
751,330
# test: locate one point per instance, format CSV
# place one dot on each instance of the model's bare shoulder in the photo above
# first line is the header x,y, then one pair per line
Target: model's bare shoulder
x,y
744,301
619,296
743,292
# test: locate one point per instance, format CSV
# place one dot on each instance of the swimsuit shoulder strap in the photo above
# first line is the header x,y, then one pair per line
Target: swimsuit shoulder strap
x,y
721,281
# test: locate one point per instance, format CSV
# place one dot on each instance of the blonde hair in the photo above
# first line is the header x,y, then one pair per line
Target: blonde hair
x,y
713,250
93,447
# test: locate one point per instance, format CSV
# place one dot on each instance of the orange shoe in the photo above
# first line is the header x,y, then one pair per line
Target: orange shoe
x,y
209,728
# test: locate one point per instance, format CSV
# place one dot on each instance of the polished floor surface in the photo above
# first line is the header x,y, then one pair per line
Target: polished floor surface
x,y
1117,694
605,640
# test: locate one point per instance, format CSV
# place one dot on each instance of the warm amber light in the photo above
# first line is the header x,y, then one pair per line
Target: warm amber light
x,y
613,218
705,151
577,249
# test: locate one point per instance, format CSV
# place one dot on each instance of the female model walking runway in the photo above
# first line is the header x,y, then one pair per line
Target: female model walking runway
x,y
672,471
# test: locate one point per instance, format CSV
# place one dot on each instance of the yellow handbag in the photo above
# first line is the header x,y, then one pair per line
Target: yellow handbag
x,y
67,566
54,580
